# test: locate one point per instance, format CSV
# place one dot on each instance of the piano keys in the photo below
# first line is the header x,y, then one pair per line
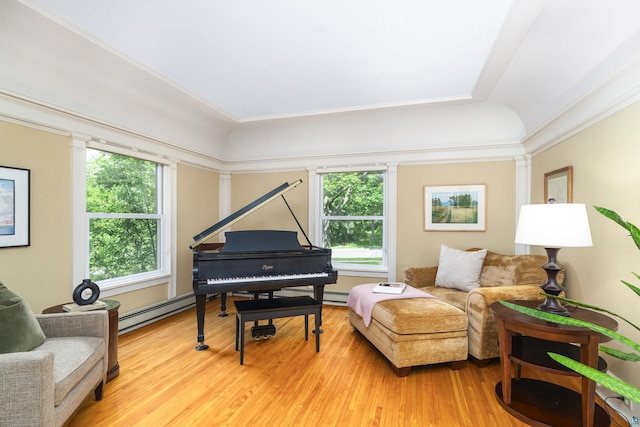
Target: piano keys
x,y
256,260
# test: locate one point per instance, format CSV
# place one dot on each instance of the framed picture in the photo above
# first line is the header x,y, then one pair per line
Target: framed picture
x,y
558,186
455,208
14,207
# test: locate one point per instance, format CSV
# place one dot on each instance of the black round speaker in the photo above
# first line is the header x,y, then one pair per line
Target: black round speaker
x,y
86,293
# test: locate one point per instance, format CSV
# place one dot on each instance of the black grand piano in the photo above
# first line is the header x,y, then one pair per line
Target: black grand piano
x,y
256,260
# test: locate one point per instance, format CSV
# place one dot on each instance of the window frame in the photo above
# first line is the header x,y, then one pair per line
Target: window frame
x,y
166,213
316,216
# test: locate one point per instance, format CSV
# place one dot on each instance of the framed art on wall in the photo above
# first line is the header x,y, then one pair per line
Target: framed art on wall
x,y
14,207
455,208
558,186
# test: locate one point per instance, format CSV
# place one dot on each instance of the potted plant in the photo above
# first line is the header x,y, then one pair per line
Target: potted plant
x,y
614,384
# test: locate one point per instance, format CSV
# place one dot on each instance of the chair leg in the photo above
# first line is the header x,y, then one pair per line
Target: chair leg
x,y
98,390
306,327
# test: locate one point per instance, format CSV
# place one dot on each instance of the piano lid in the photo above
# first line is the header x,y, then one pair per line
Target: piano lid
x,y
241,213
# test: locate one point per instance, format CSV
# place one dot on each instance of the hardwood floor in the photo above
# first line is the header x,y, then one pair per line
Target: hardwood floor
x,y
163,381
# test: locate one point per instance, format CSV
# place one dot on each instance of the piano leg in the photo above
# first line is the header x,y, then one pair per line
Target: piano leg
x,y
200,308
223,305
318,295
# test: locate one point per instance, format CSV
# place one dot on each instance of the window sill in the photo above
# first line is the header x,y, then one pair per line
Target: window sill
x,y
362,271
118,286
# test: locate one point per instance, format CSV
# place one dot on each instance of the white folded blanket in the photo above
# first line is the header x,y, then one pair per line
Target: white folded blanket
x,y
361,299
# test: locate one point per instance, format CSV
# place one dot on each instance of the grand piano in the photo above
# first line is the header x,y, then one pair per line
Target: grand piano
x,y
258,261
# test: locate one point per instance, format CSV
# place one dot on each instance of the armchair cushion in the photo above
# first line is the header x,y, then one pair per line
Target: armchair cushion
x,y
459,269
75,357
20,330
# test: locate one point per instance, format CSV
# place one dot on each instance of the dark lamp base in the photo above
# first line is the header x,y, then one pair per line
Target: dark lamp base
x,y
552,305
551,286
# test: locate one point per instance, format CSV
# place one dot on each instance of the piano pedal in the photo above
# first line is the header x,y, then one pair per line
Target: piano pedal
x,y
202,346
263,331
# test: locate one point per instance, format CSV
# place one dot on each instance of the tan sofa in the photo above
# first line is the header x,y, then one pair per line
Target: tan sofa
x,y
413,332
503,277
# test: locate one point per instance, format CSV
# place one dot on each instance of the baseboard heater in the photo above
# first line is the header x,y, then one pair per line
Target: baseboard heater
x,y
143,316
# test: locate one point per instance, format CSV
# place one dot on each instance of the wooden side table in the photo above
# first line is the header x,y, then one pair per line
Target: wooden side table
x,y
525,340
113,367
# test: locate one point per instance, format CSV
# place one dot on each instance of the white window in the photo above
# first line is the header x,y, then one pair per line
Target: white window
x,y
126,226
352,218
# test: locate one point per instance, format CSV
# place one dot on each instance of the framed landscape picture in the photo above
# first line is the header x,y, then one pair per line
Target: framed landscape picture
x,y
455,208
14,207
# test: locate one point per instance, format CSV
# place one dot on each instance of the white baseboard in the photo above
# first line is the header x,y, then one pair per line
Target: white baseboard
x,y
630,412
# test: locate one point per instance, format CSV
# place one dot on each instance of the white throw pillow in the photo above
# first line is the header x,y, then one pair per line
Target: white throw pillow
x,y
459,269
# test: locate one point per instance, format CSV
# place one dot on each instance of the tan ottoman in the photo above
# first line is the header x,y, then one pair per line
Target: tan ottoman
x,y
416,331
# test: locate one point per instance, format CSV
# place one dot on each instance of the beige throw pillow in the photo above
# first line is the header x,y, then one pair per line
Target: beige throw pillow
x,y
459,269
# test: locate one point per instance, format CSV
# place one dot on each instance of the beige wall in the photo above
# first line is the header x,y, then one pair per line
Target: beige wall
x,y
415,246
604,158
198,209
42,272
418,247
245,188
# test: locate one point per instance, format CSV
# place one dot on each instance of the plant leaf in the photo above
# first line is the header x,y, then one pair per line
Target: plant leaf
x,y
613,384
612,215
631,357
630,286
632,229
593,307
562,320
635,234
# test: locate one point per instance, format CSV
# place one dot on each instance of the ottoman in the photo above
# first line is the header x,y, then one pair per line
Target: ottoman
x,y
416,331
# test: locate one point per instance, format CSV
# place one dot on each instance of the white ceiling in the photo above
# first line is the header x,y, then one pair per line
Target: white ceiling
x,y
253,80
257,59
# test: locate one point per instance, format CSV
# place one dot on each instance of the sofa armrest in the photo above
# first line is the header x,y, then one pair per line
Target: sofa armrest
x,y
488,295
27,388
82,324
483,332
419,277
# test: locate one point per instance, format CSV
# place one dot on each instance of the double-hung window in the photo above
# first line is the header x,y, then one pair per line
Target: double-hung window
x,y
126,229
352,220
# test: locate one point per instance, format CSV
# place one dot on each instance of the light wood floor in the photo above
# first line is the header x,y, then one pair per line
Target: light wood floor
x,y
163,381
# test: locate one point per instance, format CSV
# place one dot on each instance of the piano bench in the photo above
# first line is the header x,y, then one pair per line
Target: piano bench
x,y
267,309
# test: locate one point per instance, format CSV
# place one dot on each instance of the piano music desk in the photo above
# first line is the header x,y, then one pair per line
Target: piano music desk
x,y
266,309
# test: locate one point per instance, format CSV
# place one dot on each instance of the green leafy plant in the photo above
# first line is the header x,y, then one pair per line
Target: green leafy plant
x,y
614,384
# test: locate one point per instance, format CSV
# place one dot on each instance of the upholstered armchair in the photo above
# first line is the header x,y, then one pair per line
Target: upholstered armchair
x,y
45,385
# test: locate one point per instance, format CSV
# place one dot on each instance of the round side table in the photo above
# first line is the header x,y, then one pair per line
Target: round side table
x,y
113,367
525,340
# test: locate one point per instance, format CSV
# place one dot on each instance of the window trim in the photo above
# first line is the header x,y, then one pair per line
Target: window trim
x,y
166,201
387,271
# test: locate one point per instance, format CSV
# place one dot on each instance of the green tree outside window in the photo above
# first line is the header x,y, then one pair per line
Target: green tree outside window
x,y
123,211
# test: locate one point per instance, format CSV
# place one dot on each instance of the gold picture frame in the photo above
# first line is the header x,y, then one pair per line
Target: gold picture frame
x,y
558,186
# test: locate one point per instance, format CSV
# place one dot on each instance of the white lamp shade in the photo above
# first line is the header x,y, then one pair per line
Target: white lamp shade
x,y
559,225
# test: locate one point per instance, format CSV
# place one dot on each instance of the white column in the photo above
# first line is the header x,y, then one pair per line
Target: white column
x,y
523,194
225,199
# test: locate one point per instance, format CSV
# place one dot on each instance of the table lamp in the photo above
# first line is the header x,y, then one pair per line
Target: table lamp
x,y
553,226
